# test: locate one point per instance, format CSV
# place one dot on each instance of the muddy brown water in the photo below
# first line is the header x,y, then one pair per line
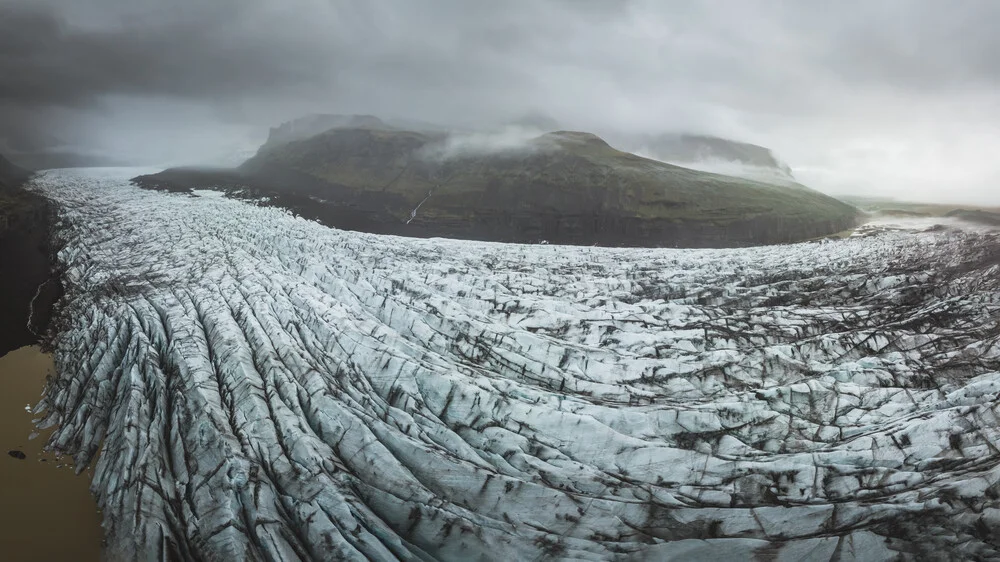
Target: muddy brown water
x,y
47,512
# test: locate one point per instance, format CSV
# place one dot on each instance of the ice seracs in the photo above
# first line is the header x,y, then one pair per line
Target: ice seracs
x,y
262,387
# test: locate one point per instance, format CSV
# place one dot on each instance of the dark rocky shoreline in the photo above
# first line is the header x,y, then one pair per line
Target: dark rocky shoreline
x,y
28,280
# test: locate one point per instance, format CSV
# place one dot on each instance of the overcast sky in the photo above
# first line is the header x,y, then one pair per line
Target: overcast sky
x,y
894,97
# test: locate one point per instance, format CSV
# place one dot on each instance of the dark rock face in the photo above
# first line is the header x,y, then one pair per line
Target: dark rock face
x,y
562,187
27,287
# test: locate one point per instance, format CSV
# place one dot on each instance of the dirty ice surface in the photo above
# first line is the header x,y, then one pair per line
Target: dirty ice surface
x,y
264,387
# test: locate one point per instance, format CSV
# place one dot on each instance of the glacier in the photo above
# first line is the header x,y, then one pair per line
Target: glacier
x,y
252,385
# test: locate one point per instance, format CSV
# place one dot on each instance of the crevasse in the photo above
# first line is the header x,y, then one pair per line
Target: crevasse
x,y
262,387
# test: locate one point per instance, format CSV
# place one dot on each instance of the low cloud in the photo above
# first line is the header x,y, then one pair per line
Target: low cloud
x,y
511,140
730,168
895,97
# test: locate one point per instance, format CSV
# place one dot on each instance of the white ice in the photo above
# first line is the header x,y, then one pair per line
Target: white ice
x,y
263,387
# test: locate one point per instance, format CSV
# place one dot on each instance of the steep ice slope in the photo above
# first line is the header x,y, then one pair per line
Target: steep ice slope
x,y
263,387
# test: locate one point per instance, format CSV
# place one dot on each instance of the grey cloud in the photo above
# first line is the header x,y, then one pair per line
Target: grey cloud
x,y
46,60
895,96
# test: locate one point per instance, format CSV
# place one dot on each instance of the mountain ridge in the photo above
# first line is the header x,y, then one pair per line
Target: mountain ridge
x,y
565,187
697,151
711,154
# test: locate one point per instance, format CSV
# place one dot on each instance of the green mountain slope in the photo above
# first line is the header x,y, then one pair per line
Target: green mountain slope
x,y
564,187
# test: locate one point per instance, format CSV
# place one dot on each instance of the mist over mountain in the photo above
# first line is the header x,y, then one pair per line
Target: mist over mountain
x,y
712,154
514,184
699,152
314,124
536,121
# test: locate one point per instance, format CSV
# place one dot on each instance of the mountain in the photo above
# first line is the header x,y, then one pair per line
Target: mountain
x,y
699,152
565,187
710,154
891,207
314,124
317,123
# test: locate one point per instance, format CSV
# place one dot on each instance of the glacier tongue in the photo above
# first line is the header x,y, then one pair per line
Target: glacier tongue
x,y
256,386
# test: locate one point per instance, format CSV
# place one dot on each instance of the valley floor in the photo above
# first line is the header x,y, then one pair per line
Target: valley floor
x,y
263,387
